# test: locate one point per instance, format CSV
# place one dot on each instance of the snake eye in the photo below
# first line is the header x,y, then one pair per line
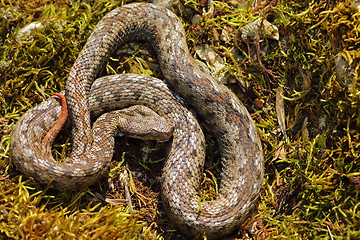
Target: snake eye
x,y
154,133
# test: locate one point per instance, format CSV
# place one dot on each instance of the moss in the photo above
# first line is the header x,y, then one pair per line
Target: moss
x,y
311,187
25,216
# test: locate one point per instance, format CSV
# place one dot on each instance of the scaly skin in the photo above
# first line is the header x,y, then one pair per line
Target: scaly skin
x,y
219,108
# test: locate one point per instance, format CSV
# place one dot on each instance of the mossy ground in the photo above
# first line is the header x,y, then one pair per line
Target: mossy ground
x,y
312,179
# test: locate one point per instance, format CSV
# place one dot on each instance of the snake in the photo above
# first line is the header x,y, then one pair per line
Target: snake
x,y
216,106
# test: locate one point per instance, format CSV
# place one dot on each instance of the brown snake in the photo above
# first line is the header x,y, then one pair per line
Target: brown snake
x,y
222,112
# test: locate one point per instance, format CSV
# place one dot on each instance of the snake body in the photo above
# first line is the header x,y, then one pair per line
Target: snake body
x,y
222,113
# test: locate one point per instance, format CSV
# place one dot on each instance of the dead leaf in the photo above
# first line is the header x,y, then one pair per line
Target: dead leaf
x,y
280,110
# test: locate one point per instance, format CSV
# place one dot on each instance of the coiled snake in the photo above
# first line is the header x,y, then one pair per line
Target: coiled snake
x,y
222,113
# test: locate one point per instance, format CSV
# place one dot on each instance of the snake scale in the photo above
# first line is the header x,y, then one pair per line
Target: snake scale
x,y
220,110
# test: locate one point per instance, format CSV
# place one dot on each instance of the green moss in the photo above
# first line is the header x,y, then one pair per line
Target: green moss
x,y
25,216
